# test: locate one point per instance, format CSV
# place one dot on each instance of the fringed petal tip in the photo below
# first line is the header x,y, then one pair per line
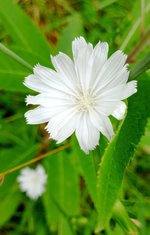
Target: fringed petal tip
x,y
134,86
81,38
26,117
135,83
36,67
26,100
51,57
49,133
27,79
121,54
87,151
126,66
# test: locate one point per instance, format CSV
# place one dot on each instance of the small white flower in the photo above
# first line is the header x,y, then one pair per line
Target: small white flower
x,y
81,94
32,181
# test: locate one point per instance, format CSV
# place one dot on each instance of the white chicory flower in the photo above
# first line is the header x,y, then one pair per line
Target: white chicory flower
x,y
80,94
32,181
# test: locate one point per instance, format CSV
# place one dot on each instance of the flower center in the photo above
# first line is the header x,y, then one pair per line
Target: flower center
x,y
84,101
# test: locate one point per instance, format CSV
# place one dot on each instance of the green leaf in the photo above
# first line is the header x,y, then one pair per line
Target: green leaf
x,y
13,72
61,199
74,29
15,56
16,150
12,157
9,198
121,149
88,168
120,214
29,48
21,29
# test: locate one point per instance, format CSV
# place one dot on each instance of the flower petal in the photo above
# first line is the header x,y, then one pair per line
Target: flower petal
x,y
102,123
83,65
110,69
35,84
119,112
39,115
120,78
41,171
88,61
83,60
52,79
107,107
87,135
54,99
100,55
97,60
120,92
77,45
62,126
64,66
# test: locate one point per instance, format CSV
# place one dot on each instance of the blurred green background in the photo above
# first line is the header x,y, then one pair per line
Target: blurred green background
x,y
34,29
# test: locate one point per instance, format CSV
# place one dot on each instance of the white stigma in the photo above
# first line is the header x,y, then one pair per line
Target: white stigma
x,y
84,101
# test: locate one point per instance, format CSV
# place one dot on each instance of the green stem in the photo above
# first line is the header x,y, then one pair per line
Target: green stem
x,y
142,66
15,56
